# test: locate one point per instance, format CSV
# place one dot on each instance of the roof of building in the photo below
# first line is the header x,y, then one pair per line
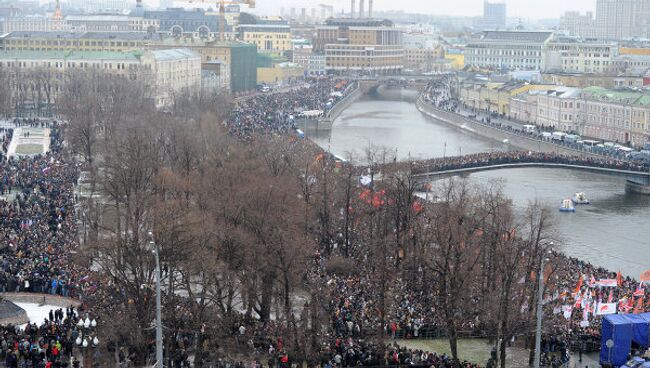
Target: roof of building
x,y
516,36
69,55
174,54
359,22
100,17
129,36
618,96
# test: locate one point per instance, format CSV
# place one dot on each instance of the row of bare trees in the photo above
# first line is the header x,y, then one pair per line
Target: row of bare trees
x,y
238,225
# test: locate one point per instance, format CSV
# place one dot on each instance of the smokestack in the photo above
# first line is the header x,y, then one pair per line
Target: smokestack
x,y
138,3
353,5
370,8
362,4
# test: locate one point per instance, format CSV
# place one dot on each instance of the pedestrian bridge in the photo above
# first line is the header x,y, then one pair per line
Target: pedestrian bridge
x,y
636,181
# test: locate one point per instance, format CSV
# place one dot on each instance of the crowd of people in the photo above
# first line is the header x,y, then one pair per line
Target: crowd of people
x,y
514,157
276,113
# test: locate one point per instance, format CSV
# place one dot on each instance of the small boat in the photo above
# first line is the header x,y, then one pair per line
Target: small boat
x,y
580,198
567,206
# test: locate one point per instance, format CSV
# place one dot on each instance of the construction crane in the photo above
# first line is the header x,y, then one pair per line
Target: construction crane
x,y
222,12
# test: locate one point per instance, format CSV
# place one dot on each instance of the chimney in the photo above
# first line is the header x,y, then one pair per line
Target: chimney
x,y
370,8
138,3
362,4
353,4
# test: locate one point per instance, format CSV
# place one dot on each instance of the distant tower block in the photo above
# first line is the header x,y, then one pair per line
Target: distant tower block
x,y
353,4
362,5
370,8
303,14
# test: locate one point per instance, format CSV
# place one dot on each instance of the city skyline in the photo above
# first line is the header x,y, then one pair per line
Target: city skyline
x,y
530,9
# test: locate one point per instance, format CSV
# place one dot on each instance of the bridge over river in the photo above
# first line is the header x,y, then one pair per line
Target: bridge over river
x,y
637,177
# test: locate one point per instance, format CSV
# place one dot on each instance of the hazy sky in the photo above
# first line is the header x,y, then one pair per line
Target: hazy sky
x,y
516,8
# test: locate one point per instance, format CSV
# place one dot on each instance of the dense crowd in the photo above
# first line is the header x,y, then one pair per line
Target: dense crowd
x,y
37,222
47,344
512,157
276,113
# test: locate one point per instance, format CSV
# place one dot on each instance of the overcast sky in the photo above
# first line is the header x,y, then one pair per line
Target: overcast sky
x,y
529,9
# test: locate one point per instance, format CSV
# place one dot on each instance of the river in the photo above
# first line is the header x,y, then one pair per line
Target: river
x,y
612,232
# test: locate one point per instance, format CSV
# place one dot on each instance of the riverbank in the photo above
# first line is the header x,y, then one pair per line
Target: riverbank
x,y
493,132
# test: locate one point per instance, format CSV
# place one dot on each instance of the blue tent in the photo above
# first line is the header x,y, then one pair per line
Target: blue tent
x,y
623,329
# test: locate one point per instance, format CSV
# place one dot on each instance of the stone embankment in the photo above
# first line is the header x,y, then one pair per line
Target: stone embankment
x,y
514,139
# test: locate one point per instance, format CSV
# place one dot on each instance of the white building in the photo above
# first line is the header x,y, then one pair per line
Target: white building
x,y
110,23
576,24
619,19
514,50
32,24
173,71
494,16
572,55
561,108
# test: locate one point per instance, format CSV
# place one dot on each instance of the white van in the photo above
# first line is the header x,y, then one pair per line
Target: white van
x,y
530,128
558,136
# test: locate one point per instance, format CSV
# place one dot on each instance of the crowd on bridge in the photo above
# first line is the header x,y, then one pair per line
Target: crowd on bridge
x,y
276,113
520,157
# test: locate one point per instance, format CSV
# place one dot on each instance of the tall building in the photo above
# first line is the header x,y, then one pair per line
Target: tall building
x,y
513,50
576,24
620,19
362,45
494,16
270,35
572,55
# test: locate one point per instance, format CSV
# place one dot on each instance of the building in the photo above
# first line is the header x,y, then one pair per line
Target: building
x,y
423,59
177,21
513,50
560,108
311,62
164,72
368,46
269,35
572,55
110,23
581,80
238,58
617,116
32,24
494,16
620,19
172,71
576,24
98,6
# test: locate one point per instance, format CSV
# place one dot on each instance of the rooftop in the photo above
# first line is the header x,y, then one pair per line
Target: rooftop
x,y
516,36
69,55
174,54
619,96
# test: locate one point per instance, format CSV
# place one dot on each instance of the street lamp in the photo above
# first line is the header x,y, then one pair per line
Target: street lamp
x,y
540,306
87,339
159,337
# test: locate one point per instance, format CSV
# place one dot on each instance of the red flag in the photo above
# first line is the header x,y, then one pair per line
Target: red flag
x,y
619,279
639,291
579,285
639,306
611,296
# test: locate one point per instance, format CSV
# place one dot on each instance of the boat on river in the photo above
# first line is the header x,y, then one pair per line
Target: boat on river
x,y
580,198
567,206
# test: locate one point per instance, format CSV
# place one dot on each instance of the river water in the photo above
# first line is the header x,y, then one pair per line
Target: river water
x,y
614,231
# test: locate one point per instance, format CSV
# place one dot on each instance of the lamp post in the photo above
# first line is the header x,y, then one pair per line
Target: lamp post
x,y
540,307
87,339
159,337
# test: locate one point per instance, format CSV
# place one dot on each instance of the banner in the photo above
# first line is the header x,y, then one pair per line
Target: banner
x,y
607,283
606,308
645,277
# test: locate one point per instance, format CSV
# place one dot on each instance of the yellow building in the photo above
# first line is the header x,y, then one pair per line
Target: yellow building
x,y
645,51
457,59
274,39
282,72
